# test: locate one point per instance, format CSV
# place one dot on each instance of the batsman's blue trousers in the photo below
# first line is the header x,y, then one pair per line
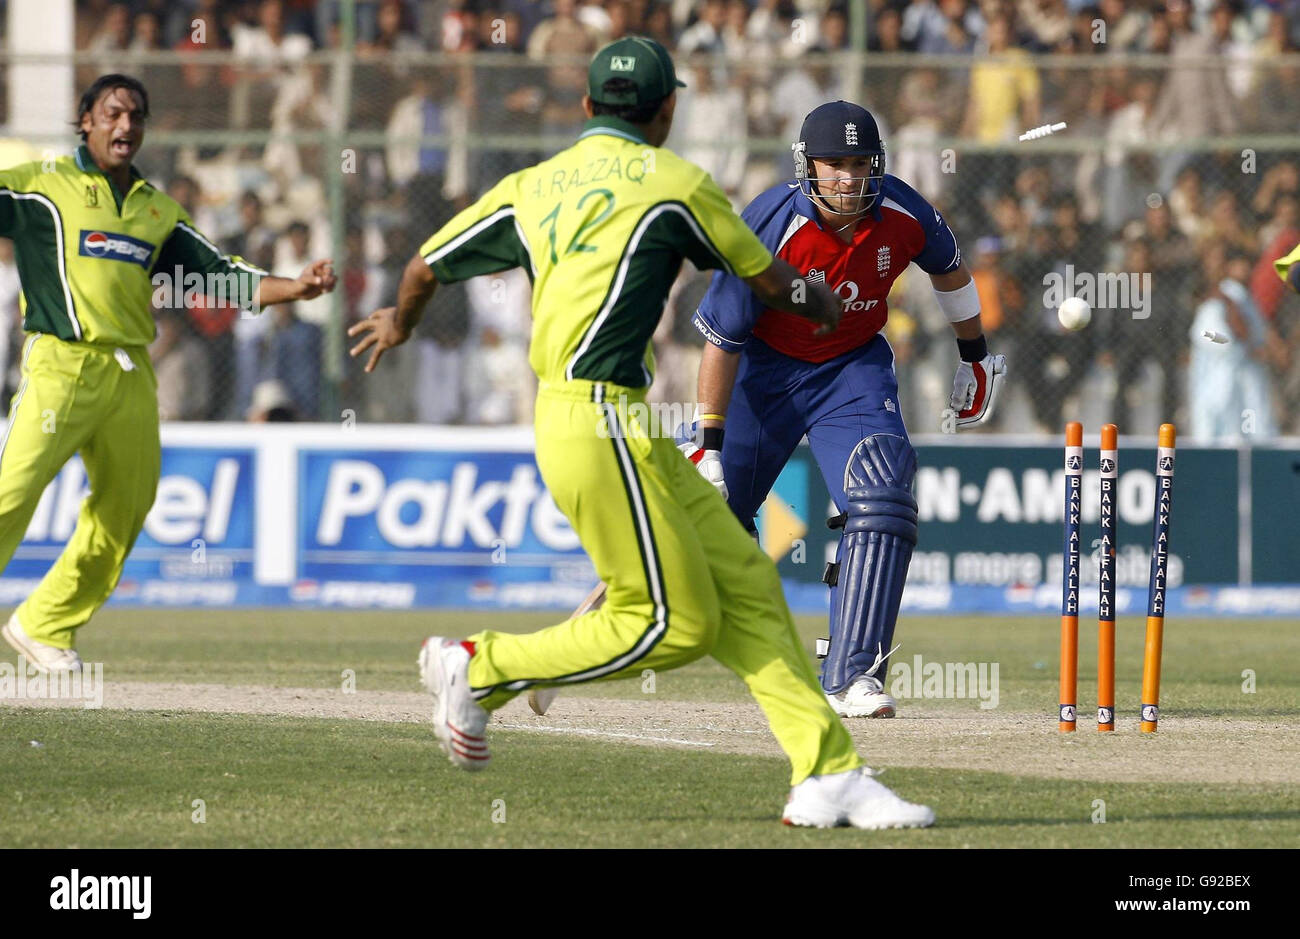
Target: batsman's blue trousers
x,y
777,400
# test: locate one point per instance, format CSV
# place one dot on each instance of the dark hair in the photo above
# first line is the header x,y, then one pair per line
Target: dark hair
x,y
106,83
632,113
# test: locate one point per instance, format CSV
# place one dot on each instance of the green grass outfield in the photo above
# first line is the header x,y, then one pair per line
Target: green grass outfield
x,y
115,778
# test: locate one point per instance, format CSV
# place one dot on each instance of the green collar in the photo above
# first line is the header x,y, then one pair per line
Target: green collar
x,y
614,126
87,164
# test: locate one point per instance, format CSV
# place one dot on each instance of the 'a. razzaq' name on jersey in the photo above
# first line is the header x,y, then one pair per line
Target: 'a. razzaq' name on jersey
x,y
596,170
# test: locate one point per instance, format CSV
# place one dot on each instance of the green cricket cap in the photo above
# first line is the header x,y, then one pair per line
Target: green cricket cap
x,y
643,61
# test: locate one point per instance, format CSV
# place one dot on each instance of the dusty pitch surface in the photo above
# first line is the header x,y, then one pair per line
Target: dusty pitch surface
x,y
1186,750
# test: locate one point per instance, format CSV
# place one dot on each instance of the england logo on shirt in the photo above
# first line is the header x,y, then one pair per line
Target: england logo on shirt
x,y
882,260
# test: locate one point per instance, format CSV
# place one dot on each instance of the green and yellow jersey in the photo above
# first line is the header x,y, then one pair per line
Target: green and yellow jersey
x,y
602,229
1284,264
86,252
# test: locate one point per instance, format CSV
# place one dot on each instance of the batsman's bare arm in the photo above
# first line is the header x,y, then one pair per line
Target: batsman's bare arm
x,y
391,326
716,380
979,372
316,278
971,328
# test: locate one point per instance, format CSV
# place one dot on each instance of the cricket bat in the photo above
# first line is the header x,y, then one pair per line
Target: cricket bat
x,y
540,699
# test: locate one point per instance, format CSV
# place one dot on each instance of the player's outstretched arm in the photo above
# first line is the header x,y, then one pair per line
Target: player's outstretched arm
x,y
391,326
979,373
316,278
717,377
782,287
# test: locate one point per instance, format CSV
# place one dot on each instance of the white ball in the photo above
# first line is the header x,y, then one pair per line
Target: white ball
x,y
1074,313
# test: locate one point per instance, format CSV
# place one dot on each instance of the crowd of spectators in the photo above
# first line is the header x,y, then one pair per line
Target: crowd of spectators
x,y
506,90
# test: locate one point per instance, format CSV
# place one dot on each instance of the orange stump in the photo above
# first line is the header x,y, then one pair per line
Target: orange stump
x,y
1070,577
1158,581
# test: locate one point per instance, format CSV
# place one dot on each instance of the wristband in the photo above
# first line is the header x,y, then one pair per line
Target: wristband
x,y
712,417
710,438
973,350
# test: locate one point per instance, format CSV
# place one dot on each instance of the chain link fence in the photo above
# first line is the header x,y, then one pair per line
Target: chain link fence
x,y
1175,181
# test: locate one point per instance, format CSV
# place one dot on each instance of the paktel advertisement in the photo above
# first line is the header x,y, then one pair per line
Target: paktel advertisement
x,y
452,528
402,516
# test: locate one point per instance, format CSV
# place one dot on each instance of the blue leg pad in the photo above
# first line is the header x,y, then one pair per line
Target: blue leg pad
x,y
875,551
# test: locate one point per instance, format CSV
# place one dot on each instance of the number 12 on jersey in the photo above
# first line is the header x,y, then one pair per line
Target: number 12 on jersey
x,y
577,244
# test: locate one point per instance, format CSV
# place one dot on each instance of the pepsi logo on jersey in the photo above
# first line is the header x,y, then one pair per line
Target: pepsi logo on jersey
x,y
115,247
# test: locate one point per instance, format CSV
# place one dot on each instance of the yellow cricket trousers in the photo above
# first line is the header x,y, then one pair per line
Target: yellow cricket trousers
x,y
684,578
101,402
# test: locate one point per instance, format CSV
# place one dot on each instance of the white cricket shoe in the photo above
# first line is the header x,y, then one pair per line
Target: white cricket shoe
x,y
865,697
45,658
851,798
459,722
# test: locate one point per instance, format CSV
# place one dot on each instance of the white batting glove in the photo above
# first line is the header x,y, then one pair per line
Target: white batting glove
x,y
974,389
708,462
710,466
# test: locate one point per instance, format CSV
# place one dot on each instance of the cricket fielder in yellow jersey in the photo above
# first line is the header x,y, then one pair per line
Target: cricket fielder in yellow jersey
x,y
89,231
602,229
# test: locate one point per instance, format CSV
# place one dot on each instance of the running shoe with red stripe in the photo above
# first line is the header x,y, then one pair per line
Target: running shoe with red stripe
x,y
459,722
